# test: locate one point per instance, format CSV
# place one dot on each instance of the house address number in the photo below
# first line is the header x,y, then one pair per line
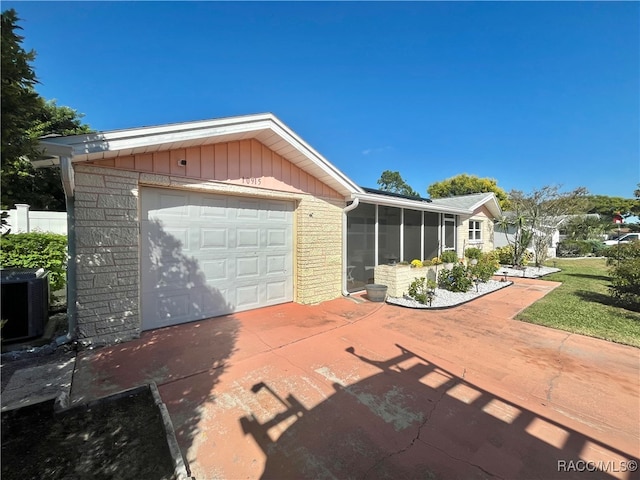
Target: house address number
x,y
252,180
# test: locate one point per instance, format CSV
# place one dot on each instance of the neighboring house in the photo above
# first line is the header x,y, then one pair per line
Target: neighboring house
x,y
503,238
182,222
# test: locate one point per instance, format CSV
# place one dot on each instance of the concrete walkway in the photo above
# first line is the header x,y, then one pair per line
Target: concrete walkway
x,y
363,390
34,379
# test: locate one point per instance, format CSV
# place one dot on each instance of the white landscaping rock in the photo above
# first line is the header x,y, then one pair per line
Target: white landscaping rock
x,y
527,272
445,298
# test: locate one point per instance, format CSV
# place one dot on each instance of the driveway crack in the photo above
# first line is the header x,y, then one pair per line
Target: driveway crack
x,y
551,383
486,472
413,440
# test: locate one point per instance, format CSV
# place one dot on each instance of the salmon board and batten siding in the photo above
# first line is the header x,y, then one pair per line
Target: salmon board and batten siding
x,y
243,162
108,236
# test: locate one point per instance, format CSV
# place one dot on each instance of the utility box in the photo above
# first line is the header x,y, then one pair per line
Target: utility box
x,y
24,303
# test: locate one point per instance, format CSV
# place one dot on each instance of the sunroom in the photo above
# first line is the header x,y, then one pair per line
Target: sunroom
x,y
385,228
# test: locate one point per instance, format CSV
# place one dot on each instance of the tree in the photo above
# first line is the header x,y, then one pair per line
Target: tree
x,y
25,118
635,210
583,227
464,184
538,215
41,188
392,182
515,221
606,206
20,102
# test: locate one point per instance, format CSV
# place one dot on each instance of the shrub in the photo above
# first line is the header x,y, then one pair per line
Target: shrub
x,y
620,253
625,283
597,246
486,267
625,273
574,248
505,255
416,263
427,263
36,250
473,253
436,261
457,279
422,289
449,256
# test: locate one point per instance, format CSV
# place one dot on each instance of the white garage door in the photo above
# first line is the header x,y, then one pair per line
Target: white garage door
x,y
206,255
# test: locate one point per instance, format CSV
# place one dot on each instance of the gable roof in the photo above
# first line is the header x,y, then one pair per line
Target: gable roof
x,y
472,202
265,127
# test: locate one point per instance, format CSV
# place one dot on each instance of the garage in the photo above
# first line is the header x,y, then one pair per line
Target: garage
x,y
181,222
205,255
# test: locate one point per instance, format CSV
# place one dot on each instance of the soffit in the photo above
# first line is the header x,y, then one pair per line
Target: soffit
x,y
265,128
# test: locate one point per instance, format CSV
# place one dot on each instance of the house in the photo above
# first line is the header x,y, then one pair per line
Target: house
x,y
181,222
386,228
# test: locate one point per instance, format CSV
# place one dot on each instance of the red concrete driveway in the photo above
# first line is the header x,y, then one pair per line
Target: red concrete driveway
x,y
364,390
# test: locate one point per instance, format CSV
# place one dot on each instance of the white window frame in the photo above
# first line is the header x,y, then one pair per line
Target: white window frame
x,y
477,230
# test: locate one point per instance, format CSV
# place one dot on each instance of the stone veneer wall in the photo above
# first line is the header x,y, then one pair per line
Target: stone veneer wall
x,y
397,278
107,247
107,255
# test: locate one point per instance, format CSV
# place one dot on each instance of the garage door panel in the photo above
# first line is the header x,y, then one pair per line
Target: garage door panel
x,y
214,238
207,302
248,210
248,238
277,212
277,237
180,235
247,267
215,270
207,255
247,296
276,265
172,306
214,208
171,205
276,292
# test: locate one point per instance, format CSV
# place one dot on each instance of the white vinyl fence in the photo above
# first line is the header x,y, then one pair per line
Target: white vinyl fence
x,y
21,220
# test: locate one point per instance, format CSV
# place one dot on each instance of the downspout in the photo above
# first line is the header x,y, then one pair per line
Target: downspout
x,y
347,209
68,183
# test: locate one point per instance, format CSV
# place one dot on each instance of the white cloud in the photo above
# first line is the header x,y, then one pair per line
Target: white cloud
x,y
369,151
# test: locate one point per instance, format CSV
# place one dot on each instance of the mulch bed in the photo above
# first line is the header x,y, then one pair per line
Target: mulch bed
x,y
117,438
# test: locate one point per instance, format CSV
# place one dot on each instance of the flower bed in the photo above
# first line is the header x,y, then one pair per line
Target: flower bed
x,y
446,299
397,278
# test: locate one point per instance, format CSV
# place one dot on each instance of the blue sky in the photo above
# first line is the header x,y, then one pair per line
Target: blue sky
x,y
531,94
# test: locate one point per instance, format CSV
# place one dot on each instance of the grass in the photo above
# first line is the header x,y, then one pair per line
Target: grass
x,y
582,304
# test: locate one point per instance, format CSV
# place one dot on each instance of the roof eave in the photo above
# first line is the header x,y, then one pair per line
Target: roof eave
x,y
112,144
407,203
492,205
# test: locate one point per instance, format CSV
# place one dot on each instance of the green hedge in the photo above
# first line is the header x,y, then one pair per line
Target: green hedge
x,y
36,250
574,248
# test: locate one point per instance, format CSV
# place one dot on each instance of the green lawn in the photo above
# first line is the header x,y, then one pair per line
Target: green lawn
x,y
582,304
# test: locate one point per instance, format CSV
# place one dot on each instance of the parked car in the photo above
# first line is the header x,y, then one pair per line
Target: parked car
x,y
627,238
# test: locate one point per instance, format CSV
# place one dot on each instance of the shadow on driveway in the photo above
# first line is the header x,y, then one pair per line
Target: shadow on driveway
x,y
415,419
